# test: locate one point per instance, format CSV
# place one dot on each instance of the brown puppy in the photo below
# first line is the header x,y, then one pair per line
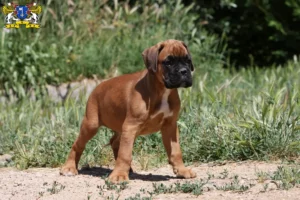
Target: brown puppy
x,y
137,104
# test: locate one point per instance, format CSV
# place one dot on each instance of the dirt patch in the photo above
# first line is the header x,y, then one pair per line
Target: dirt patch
x,y
44,183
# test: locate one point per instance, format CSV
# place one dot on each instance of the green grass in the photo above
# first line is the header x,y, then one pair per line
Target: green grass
x,y
111,186
227,115
285,177
251,115
56,188
238,116
187,187
93,39
235,185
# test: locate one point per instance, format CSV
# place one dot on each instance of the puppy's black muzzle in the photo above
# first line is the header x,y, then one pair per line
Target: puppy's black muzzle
x,y
181,77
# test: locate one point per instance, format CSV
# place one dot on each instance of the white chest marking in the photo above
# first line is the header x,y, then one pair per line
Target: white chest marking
x,y
164,106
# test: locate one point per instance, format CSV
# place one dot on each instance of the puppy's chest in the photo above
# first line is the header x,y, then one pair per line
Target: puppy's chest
x,y
163,109
157,117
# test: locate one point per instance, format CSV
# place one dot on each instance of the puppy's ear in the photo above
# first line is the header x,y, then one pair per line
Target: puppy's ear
x,y
150,57
189,55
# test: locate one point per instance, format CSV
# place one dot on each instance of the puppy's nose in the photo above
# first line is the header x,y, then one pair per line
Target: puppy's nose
x,y
183,71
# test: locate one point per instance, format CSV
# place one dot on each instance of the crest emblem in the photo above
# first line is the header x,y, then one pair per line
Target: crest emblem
x,y
22,14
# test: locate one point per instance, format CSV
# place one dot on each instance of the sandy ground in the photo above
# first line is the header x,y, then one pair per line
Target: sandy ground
x,y
89,184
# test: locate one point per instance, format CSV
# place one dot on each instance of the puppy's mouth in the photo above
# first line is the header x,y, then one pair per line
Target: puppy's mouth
x,y
185,83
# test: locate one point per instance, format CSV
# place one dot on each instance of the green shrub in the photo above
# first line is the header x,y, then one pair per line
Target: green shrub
x,y
256,32
92,39
250,114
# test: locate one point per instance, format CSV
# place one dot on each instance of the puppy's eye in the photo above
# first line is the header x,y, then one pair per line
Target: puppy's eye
x,y
168,62
187,59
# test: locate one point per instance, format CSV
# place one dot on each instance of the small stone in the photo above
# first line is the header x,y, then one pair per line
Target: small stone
x,y
63,90
75,90
208,187
90,86
3,99
5,159
53,93
272,186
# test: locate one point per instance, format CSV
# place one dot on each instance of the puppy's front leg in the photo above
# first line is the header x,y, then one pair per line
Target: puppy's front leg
x,y
170,136
124,158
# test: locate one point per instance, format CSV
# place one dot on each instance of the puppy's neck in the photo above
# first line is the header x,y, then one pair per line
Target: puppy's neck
x,y
156,86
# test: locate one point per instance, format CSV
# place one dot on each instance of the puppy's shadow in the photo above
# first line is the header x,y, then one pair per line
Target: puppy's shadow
x,y
104,172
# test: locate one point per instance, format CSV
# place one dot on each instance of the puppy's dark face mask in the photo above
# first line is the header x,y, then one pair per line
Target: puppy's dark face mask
x,y
171,62
177,71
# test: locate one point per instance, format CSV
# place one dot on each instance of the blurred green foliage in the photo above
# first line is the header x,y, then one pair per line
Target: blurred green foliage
x,y
257,32
95,39
104,38
249,114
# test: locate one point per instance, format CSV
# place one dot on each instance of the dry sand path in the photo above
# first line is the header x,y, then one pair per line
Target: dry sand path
x,y
45,183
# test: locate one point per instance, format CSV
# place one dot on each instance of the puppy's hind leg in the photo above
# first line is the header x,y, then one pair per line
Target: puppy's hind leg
x,y
114,143
88,130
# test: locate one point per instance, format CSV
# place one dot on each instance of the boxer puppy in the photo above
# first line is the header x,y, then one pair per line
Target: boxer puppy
x,y
137,104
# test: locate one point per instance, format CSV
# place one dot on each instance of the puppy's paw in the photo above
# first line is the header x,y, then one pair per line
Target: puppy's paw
x,y
117,177
68,170
185,173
